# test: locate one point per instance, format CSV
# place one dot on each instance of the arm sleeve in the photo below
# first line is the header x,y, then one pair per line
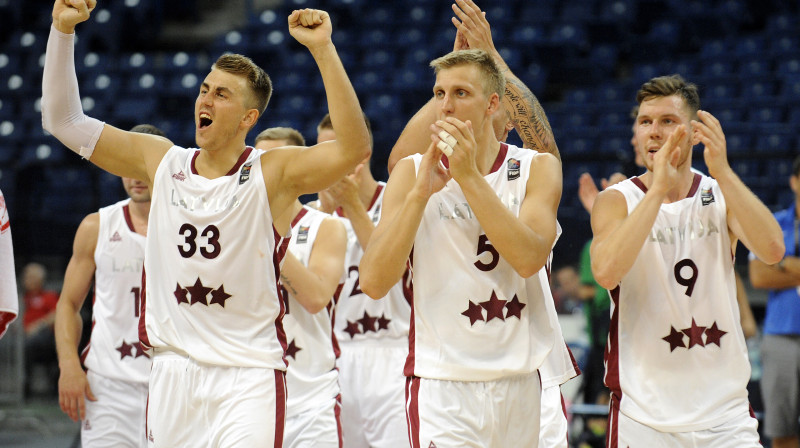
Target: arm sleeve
x,y
62,113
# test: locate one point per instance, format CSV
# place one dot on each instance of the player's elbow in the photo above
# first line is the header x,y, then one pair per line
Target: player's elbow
x,y
604,275
775,251
314,307
372,286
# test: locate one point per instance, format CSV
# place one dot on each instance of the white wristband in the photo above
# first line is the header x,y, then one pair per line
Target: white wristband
x,y
62,113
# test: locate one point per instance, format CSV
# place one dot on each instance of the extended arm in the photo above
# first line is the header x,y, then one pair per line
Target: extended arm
x,y
415,136
314,286
72,384
289,174
524,242
521,105
407,194
748,218
123,153
784,275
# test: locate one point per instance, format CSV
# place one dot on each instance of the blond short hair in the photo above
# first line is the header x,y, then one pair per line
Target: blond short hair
x,y
493,79
292,136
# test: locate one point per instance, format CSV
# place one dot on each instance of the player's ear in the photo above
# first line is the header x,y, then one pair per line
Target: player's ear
x,y
250,118
494,104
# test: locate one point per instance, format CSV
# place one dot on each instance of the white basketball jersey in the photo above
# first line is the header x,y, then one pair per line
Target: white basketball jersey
x,y
559,366
676,355
114,350
9,303
359,318
474,317
311,378
211,265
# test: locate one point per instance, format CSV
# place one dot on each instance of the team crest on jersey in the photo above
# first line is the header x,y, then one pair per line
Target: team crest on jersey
x,y
244,175
707,196
302,235
179,176
513,169
115,237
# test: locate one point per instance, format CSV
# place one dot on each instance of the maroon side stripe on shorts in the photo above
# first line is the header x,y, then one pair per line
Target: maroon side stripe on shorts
x,y
612,427
280,407
412,410
337,413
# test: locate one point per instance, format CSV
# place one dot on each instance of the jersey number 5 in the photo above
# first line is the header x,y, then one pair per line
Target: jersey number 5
x,y
189,233
485,246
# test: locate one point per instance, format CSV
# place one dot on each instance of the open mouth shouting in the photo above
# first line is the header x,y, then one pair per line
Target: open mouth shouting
x,y
204,120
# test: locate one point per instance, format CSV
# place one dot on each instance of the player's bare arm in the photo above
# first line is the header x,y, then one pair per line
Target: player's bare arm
x,y
415,136
407,194
617,236
785,274
521,105
314,286
345,193
289,174
114,150
524,242
748,218
72,383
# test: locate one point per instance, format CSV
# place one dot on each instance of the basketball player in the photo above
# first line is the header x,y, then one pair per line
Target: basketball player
x,y
559,366
310,278
372,336
109,246
212,312
664,246
9,303
479,226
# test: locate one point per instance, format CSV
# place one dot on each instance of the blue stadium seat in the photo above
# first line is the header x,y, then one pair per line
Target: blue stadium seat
x,y
747,169
135,108
765,114
784,46
738,142
528,34
789,66
7,108
775,140
135,63
753,89
757,67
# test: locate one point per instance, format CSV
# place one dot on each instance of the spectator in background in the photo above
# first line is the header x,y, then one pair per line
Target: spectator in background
x,y
9,304
38,319
780,348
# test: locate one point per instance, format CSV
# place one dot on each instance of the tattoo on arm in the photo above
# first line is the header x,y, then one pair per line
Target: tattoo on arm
x,y
288,285
527,114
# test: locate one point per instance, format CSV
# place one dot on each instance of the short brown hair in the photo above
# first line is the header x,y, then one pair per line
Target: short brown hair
x,y
326,123
292,136
257,79
493,79
662,86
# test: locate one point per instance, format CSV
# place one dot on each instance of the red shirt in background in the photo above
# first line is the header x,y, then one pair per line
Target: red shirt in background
x,y
38,306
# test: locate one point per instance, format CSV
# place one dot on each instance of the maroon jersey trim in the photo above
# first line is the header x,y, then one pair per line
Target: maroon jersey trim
x,y
498,161
280,407
281,247
127,213
692,190
695,185
298,217
145,341
245,154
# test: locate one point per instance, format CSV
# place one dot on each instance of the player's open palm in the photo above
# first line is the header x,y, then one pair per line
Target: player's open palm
x,y
472,24
709,131
68,13
431,176
72,388
665,169
310,27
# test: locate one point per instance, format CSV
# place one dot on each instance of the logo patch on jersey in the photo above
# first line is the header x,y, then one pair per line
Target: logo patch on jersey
x,y
244,175
87,425
179,175
376,214
302,235
707,196
115,237
432,445
513,169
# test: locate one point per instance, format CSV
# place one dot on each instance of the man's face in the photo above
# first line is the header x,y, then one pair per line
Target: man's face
x,y
266,145
658,117
136,189
220,109
459,93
